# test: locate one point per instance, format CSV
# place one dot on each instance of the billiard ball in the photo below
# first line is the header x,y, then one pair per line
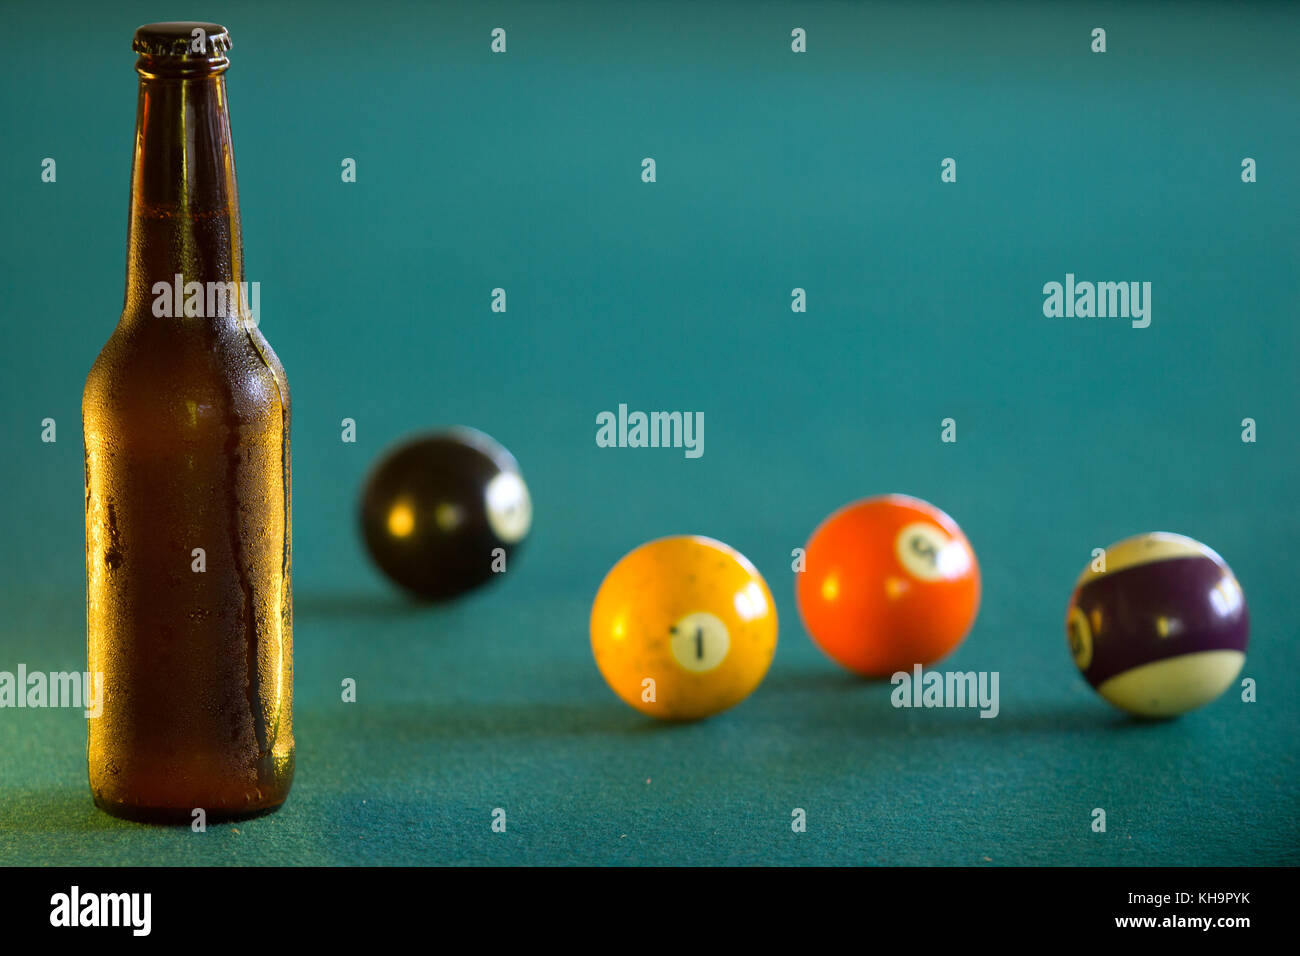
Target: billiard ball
x,y
683,627
887,583
443,513
1160,627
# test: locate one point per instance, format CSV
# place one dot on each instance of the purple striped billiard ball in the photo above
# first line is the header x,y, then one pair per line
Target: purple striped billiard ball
x,y
1161,628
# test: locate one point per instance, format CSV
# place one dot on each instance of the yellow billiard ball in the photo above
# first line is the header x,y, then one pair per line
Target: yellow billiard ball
x,y
683,628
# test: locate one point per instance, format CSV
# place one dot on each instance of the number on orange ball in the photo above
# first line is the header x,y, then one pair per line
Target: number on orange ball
x,y
683,627
888,583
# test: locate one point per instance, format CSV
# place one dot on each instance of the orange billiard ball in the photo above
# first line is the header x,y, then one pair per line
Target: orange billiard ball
x,y
888,583
683,627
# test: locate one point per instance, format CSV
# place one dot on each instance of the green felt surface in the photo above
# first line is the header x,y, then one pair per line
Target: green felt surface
x,y
775,171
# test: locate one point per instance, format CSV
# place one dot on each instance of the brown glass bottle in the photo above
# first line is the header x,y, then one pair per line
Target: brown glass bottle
x,y
186,424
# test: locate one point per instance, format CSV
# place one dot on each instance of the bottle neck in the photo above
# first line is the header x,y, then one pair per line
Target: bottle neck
x,y
184,235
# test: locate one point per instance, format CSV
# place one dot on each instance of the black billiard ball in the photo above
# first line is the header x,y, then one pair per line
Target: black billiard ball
x,y
442,513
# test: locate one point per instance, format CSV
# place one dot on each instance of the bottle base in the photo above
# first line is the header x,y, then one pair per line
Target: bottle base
x,y
181,816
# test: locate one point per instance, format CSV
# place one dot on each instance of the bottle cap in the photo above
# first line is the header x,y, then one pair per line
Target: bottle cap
x,y
181,49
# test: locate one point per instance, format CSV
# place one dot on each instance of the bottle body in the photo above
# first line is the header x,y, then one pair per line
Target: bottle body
x,y
188,496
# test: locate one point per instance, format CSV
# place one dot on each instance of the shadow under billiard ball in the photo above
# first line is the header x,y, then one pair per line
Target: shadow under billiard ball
x,y
442,513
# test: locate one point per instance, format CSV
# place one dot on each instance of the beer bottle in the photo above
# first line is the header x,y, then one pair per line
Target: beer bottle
x,y
186,424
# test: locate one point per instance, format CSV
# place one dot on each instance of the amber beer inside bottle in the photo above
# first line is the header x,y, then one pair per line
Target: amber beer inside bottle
x,y
186,425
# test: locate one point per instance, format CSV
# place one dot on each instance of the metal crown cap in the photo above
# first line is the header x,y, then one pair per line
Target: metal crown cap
x,y
187,40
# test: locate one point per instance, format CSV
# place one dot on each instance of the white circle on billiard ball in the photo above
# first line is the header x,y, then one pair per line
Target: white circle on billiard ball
x,y
509,507
1079,636
700,642
927,552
